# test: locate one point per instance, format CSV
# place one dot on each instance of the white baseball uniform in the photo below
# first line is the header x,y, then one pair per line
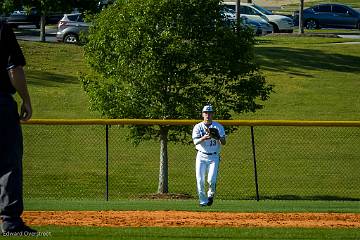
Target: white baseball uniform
x,y
207,159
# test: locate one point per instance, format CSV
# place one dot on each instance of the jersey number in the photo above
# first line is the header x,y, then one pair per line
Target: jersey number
x,y
212,143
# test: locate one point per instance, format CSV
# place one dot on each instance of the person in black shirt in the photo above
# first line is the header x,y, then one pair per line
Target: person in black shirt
x,y
12,80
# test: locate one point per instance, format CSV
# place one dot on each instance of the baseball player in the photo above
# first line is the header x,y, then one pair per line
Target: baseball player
x,y
208,136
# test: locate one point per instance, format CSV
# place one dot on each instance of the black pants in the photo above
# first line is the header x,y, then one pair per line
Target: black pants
x,y
11,151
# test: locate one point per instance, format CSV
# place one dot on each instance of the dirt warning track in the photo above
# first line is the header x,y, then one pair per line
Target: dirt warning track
x,y
191,219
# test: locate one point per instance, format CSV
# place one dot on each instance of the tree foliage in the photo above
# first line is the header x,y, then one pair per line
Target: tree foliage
x,y
48,6
165,59
6,6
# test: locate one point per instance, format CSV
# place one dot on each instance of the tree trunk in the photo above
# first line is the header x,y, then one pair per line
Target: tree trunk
x,y
301,17
42,28
164,171
238,15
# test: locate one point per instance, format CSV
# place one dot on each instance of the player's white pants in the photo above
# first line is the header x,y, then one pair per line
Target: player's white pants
x,y
206,165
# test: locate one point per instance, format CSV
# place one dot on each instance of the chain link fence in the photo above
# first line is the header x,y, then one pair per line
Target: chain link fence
x,y
292,162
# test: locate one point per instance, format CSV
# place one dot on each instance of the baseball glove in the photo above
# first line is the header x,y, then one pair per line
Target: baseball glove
x,y
214,133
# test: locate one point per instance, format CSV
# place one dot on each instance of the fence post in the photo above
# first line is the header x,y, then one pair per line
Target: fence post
x,y
255,168
107,161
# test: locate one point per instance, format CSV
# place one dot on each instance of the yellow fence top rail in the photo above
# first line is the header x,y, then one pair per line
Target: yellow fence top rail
x,y
191,122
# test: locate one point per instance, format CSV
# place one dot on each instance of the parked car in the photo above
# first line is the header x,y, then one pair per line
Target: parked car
x,y
21,17
279,23
31,17
70,28
329,15
258,24
102,4
262,26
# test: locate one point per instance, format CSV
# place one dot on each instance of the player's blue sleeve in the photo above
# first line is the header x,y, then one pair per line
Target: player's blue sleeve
x,y
221,131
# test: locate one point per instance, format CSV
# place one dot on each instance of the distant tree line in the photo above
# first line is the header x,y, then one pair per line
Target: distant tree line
x,y
8,6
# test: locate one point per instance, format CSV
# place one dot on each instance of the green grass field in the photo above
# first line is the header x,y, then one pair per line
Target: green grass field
x,y
293,163
314,78
191,205
193,233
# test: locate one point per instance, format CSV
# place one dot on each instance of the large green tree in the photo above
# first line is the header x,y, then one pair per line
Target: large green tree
x,y
164,59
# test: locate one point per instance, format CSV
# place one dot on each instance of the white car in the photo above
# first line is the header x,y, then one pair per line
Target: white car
x,y
260,26
280,23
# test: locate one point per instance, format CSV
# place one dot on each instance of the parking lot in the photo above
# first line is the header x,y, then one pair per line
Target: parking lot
x,y
30,33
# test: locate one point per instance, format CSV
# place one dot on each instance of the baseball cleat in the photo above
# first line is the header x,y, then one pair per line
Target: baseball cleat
x,y
210,201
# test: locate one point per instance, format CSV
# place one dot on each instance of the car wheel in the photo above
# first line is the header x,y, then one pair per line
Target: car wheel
x,y
275,28
71,38
311,24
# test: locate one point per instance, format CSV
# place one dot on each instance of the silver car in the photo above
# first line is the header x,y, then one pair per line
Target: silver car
x,y
70,28
258,24
280,23
262,27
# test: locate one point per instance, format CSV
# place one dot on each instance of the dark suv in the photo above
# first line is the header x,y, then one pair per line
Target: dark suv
x,y
31,17
21,17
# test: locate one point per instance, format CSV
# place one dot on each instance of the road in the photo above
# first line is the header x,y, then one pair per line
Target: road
x,y
36,38
30,33
350,36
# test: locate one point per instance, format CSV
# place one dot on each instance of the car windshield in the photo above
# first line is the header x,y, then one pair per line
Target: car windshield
x,y
229,10
263,10
75,18
18,12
